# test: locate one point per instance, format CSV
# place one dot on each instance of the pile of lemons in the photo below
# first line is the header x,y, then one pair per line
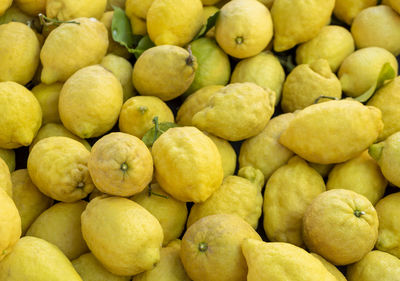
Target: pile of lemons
x,y
204,140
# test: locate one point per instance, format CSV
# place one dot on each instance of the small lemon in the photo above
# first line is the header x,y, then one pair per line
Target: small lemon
x,y
60,219
8,155
236,112
19,52
187,164
72,46
164,71
90,269
122,235
360,70
341,226
299,21
120,164
5,178
211,248
14,14
138,8
137,114
264,69
228,154
171,213
90,102
58,167
138,25
332,131
32,7
174,22
281,262
20,115
69,9
330,267
243,28
347,10
333,43
48,95
29,201
306,82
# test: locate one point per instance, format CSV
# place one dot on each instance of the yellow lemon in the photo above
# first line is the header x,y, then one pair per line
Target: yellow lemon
x,y
228,154
120,164
330,267
332,131
174,22
187,163
164,71
72,46
58,167
53,224
8,155
69,9
137,114
20,115
48,95
243,28
299,21
211,248
4,6
236,112
333,43
29,201
341,226
90,102
32,7
347,10
5,178
122,235
138,8
19,53
14,14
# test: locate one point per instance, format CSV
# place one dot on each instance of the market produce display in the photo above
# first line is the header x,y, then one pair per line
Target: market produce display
x,y
199,140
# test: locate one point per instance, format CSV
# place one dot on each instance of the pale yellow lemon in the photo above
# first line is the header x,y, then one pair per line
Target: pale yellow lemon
x,y
347,10
48,95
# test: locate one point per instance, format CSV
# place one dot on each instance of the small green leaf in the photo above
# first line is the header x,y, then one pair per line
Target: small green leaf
x,y
211,21
121,30
387,72
158,129
144,44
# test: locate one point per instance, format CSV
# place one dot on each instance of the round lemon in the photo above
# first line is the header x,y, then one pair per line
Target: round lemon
x,y
14,14
347,10
138,8
32,7
228,154
48,95
68,9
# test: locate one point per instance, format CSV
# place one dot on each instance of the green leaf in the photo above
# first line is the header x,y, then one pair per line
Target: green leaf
x,y
144,44
387,72
211,21
121,30
158,129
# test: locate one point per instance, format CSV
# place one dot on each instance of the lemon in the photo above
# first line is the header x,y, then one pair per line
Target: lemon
x,y
243,28
299,21
341,226
236,112
10,225
19,52
187,164
377,26
4,6
20,115
71,47
120,164
5,178
90,269
360,70
281,261
306,82
56,130
58,167
388,103
174,22
194,103
48,95
394,4
138,25
389,227
171,213
347,10
14,14
333,43
376,265
211,248
332,131
169,268
138,8
29,201
122,235
90,102
164,71
69,9
288,193
228,154
53,224
360,174
8,155
386,153
122,69
263,151
32,7
213,67
330,267
264,69
35,259
137,114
